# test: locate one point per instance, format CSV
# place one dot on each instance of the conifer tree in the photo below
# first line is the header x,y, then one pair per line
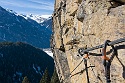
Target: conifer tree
x,y
25,80
55,78
45,78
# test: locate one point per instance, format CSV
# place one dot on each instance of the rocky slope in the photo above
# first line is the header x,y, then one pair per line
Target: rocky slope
x,y
16,28
18,60
81,23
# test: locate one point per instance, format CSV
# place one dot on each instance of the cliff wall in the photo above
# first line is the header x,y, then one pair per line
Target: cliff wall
x,y
87,23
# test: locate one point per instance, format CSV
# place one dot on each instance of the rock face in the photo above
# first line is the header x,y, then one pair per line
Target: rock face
x,y
81,23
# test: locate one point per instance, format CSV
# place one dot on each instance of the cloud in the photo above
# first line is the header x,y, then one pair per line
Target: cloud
x,y
46,16
31,4
47,3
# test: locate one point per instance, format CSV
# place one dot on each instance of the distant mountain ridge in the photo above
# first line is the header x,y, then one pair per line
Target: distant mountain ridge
x,y
43,20
16,28
18,60
37,18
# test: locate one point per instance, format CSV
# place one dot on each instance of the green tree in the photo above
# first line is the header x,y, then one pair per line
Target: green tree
x,y
45,78
25,80
55,78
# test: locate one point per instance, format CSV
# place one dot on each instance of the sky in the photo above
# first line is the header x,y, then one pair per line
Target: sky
x,y
37,7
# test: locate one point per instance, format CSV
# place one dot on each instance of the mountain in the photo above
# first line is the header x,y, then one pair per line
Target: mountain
x,y
37,18
16,28
43,20
48,51
47,23
18,60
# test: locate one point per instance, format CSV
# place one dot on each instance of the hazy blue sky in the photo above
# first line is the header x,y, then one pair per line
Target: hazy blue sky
x,y
40,7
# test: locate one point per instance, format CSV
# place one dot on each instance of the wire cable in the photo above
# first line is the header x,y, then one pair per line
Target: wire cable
x,y
81,51
76,66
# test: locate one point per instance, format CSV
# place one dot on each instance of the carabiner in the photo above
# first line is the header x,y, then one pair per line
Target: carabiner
x,y
107,61
104,57
86,56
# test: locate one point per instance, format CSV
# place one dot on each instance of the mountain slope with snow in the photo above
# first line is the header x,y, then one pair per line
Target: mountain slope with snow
x,y
43,20
49,52
37,18
47,23
16,28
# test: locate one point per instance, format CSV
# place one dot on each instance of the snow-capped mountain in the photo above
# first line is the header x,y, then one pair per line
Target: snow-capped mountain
x,y
14,27
11,11
43,20
37,18
47,23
